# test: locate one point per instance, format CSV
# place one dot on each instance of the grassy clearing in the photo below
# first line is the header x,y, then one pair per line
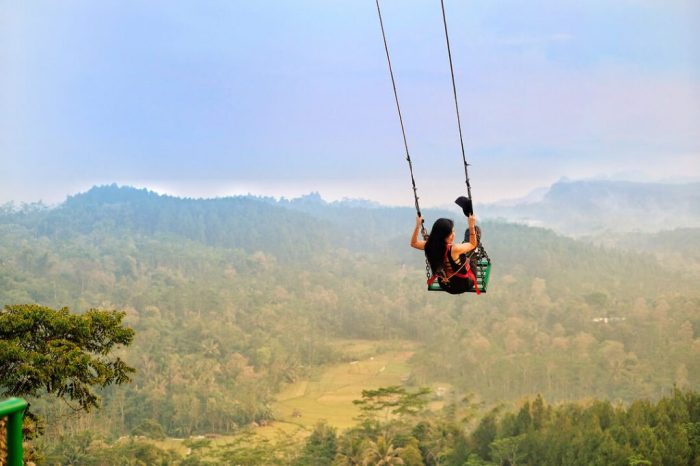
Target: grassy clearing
x,y
328,396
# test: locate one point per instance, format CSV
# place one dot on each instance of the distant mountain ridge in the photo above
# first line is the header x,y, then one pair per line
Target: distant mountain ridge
x,y
290,229
579,208
592,207
236,222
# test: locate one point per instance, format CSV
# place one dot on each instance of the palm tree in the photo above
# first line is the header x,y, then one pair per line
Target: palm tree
x,y
382,453
350,452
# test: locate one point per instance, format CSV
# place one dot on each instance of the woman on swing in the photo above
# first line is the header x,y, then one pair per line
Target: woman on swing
x,y
448,261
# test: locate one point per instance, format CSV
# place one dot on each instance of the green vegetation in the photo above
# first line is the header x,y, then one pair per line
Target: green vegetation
x,y
533,433
328,394
235,301
596,432
393,400
47,351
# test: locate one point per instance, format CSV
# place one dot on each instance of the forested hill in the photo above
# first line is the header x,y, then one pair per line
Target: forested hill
x,y
678,248
290,229
308,227
588,207
306,230
245,223
231,297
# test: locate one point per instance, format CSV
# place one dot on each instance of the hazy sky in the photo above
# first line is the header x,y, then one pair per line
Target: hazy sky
x,y
209,98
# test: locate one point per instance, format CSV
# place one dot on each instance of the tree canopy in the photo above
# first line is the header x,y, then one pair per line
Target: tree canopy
x,y
63,354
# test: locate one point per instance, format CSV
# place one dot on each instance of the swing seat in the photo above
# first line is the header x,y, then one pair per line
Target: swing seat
x,y
483,272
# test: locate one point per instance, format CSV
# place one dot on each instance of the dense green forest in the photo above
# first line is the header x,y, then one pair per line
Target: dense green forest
x,y
232,298
666,432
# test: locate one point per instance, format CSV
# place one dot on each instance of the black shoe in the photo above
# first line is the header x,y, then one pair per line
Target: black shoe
x,y
466,205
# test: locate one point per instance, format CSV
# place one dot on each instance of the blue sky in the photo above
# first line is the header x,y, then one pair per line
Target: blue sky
x,y
281,98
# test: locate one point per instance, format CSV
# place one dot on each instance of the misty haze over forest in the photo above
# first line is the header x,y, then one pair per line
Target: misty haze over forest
x,y
206,210
242,307
257,315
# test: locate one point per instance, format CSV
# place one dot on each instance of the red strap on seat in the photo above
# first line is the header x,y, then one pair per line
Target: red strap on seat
x,y
469,274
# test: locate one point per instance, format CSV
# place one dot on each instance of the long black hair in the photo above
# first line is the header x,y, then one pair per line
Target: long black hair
x,y
435,246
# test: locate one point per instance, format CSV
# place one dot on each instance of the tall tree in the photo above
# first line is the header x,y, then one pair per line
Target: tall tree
x,y
321,446
67,355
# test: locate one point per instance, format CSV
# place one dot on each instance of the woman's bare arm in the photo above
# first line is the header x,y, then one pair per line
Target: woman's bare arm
x,y
415,242
471,245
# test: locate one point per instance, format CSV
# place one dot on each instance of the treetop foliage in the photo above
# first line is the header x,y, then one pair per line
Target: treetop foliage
x,y
395,400
64,354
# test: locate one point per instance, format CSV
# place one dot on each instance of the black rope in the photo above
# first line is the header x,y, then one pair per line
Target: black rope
x,y
398,108
454,90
